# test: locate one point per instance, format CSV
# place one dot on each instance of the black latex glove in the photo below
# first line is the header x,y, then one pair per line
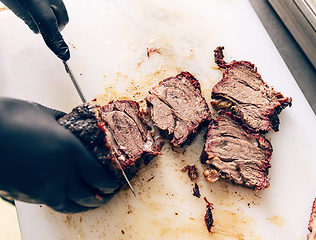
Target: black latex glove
x,y
41,162
47,17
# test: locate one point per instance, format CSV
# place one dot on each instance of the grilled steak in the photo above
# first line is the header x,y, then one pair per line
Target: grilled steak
x,y
236,154
115,133
243,92
177,108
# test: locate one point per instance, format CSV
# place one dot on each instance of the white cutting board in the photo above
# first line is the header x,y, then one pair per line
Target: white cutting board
x,y
108,40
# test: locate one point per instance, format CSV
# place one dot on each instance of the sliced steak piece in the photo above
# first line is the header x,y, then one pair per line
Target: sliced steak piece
x,y
243,92
128,136
177,108
312,223
236,154
115,133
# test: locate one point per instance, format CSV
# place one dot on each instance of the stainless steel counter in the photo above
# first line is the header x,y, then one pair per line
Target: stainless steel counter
x,y
298,64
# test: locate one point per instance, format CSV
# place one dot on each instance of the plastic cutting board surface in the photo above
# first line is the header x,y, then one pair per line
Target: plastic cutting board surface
x,y
108,42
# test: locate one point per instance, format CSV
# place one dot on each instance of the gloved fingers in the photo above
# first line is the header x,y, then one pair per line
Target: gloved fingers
x,y
49,14
82,194
66,199
20,10
69,207
53,112
60,11
94,175
48,17
48,23
77,198
56,44
27,18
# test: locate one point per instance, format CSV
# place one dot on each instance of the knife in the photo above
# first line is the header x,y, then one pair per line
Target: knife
x,y
83,99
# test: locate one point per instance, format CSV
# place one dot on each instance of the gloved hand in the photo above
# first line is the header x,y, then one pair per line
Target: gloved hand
x,y
48,17
43,163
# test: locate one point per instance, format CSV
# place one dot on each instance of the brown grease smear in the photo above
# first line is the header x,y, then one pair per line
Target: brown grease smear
x,y
136,90
277,220
230,222
3,9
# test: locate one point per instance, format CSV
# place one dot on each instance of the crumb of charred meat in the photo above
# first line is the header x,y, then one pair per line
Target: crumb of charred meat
x,y
152,50
196,191
208,218
192,172
242,92
312,223
178,109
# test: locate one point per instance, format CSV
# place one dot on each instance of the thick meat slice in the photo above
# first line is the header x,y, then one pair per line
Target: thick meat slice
x,y
127,135
243,92
116,134
177,108
236,154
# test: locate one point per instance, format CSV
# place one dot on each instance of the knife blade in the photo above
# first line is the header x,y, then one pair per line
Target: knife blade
x,y
83,99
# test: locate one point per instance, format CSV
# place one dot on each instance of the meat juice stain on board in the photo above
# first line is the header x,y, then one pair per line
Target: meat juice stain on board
x,y
277,220
163,191
136,84
230,222
157,198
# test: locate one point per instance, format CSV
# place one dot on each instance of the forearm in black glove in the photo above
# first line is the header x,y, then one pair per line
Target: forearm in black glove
x,y
48,17
41,162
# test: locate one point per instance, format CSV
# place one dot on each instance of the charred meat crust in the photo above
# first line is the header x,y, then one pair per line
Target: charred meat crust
x,y
116,135
177,108
196,191
312,223
236,154
84,123
192,172
243,92
208,217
